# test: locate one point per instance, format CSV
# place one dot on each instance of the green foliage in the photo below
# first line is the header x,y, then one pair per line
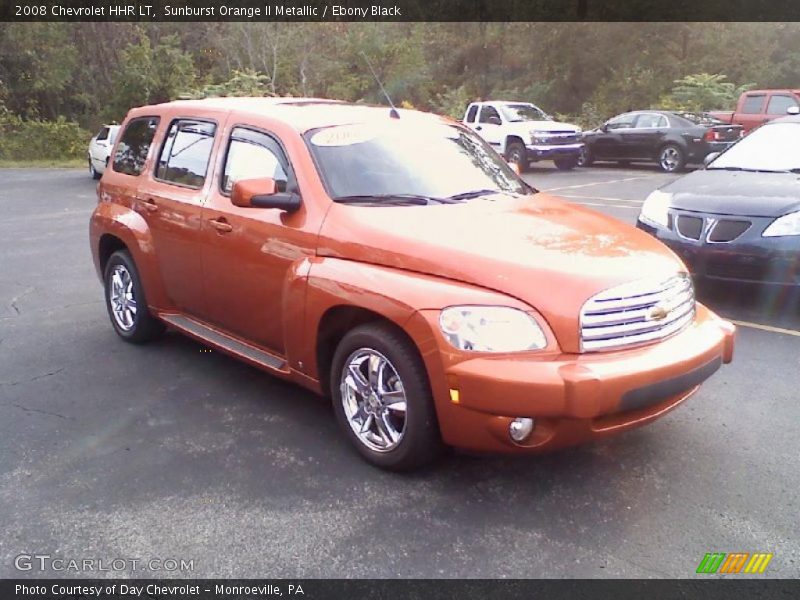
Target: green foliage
x,y
34,139
703,91
452,102
246,82
149,74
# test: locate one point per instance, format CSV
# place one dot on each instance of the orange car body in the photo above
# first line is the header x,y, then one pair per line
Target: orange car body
x,y
277,289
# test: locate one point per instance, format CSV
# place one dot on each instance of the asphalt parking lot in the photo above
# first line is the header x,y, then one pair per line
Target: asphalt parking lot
x,y
109,450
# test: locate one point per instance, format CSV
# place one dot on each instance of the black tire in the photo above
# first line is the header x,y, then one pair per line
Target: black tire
x,y
566,164
671,158
420,442
515,154
585,158
93,172
144,327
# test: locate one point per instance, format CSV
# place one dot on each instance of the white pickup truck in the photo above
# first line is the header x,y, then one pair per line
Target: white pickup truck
x,y
524,133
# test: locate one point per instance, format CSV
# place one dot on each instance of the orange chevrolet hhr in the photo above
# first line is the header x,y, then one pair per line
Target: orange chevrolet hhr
x,y
393,261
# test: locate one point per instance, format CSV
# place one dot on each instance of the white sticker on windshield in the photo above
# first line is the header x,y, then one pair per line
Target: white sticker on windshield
x,y
344,135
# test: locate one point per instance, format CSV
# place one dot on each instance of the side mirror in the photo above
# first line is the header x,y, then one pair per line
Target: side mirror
x,y
494,120
710,158
604,127
793,110
263,192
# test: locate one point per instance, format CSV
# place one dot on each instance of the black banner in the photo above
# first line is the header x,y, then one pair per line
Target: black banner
x,y
389,589
398,10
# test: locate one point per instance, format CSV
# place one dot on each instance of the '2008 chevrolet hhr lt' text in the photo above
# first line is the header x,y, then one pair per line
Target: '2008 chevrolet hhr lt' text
x,y
393,261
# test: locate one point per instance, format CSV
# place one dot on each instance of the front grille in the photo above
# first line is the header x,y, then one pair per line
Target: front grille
x,y
559,137
638,312
690,227
727,231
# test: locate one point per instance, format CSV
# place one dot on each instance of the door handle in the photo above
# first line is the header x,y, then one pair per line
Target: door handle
x,y
478,128
221,225
148,204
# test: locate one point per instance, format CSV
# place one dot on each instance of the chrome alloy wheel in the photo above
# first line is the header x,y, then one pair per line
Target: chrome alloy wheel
x,y
121,296
670,158
373,399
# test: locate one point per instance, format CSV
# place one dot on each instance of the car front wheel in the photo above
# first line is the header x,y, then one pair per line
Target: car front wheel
x,y
382,398
126,303
92,171
515,154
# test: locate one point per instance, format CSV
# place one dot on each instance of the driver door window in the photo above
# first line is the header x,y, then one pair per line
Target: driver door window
x,y
621,122
253,155
489,115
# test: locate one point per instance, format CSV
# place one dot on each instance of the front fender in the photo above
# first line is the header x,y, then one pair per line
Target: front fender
x,y
394,294
129,227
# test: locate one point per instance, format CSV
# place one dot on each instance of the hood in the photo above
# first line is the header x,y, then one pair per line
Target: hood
x,y
539,249
741,193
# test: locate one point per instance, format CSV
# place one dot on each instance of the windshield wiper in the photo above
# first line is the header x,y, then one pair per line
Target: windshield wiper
x,y
471,195
412,199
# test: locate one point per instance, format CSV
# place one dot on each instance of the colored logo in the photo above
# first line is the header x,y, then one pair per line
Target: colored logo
x,y
736,562
658,313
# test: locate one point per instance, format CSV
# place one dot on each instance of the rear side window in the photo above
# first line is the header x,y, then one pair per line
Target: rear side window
x,y
185,154
102,134
753,103
134,145
472,113
778,105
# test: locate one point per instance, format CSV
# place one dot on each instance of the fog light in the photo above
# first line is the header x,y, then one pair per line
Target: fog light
x,y
520,429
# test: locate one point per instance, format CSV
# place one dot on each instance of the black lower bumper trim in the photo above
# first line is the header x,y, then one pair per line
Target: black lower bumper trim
x,y
657,392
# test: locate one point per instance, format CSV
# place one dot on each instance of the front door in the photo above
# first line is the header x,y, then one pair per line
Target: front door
x,y
247,251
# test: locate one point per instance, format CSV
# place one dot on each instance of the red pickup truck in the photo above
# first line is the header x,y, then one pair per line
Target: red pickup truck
x,y
756,107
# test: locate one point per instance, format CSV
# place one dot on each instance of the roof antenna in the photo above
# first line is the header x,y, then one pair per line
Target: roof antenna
x,y
393,112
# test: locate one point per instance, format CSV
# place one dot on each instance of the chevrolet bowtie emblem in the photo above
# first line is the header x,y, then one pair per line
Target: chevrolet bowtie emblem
x,y
658,313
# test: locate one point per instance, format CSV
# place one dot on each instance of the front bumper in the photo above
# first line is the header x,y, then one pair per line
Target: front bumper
x,y
749,258
551,151
575,398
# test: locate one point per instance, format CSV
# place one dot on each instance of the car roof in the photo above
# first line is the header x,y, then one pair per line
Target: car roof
x,y
773,91
302,114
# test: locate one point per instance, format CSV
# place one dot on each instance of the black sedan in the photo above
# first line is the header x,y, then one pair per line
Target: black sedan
x,y
669,139
738,219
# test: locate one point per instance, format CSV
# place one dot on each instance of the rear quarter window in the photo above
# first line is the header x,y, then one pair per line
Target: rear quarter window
x,y
753,103
134,145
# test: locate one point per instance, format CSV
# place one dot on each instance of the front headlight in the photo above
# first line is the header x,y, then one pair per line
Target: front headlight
x,y
655,209
491,329
785,225
538,137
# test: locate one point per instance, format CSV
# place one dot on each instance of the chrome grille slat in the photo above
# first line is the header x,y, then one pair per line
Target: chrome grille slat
x,y
634,302
625,315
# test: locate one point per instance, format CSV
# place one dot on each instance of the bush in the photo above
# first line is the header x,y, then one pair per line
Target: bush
x,y
22,139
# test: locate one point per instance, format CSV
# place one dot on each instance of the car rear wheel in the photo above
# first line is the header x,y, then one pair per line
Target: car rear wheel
x,y
566,164
671,158
382,398
92,171
515,154
126,302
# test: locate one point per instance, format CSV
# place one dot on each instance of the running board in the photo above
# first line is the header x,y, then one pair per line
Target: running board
x,y
215,338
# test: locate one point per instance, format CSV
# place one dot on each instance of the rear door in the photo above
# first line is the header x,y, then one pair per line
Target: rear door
x,y
751,112
647,135
171,201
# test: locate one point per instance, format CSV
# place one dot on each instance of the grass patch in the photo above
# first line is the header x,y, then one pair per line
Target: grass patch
x,y
64,163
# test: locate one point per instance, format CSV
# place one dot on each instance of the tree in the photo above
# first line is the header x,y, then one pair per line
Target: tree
x,y
704,91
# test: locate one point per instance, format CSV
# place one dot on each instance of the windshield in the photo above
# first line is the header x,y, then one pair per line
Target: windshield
x,y
522,112
400,160
769,148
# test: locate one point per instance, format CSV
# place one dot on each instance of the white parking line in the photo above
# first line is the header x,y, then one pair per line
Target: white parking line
x,y
769,328
583,185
